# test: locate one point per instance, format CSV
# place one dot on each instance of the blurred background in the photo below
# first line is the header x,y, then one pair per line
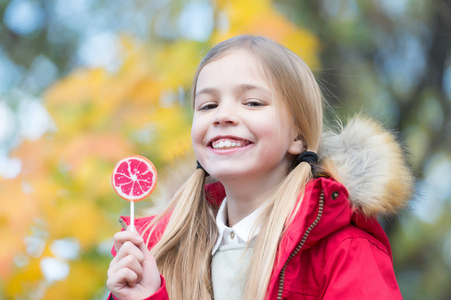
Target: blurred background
x,y
84,83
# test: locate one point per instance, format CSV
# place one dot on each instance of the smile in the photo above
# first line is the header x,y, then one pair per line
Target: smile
x,y
229,143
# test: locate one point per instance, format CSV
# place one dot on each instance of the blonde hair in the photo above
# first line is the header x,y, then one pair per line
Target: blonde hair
x,y
183,254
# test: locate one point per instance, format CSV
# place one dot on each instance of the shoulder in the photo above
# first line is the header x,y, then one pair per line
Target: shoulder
x,y
354,258
342,238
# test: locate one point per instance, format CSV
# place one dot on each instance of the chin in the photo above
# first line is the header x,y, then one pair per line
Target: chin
x,y
227,175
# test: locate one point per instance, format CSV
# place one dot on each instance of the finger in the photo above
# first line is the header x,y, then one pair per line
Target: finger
x,y
126,236
122,236
128,262
122,277
129,248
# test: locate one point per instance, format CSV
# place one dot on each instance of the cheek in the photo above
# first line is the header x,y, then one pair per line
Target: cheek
x,y
271,128
197,132
278,134
194,133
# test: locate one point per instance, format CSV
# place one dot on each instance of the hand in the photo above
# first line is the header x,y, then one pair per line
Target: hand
x,y
133,272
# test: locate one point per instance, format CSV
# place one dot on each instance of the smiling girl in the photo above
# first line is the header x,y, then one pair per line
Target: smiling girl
x,y
281,221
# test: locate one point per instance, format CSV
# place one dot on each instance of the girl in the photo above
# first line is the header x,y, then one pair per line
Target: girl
x,y
278,223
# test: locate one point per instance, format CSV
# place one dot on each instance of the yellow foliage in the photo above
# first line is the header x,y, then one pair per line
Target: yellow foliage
x,y
74,101
176,64
137,81
178,148
173,132
85,278
260,18
81,86
25,281
92,180
101,117
81,219
17,211
36,156
107,146
242,13
144,91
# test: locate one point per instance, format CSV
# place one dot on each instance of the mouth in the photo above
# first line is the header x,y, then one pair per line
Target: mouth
x,y
228,143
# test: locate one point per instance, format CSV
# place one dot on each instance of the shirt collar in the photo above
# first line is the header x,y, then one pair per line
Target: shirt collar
x,y
243,229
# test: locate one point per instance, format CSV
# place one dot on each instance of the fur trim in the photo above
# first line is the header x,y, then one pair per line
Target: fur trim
x,y
370,164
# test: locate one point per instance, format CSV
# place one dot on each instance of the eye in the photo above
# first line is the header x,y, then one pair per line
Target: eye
x,y
254,103
208,106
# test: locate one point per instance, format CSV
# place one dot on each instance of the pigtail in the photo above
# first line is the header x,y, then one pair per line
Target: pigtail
x,y
275,217
183,254
298,87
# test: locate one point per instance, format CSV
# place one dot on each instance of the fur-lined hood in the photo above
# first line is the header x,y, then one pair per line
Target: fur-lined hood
x,y
370,163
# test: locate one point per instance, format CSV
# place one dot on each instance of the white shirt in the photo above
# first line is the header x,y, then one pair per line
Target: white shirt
x,y
241,233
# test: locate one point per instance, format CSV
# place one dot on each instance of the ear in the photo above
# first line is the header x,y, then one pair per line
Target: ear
x,y
296,147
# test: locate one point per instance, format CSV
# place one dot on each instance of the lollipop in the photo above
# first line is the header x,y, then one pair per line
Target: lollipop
x,y
134,178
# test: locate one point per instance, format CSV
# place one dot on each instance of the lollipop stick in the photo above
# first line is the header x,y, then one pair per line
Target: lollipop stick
x,y
132,216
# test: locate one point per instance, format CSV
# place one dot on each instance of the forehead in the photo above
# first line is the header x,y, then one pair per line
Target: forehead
x,y
233,68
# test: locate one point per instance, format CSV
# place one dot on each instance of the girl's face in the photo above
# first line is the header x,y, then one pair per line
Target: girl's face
x,y
240,129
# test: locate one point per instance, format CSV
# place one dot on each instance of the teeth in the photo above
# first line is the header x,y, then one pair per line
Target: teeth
x,y
227,144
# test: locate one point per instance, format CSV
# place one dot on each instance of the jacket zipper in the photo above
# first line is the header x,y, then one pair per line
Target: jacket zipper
x,y
300,245
123,224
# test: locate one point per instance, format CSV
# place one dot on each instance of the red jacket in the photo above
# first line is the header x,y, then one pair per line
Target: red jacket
x,y
335,248
330,251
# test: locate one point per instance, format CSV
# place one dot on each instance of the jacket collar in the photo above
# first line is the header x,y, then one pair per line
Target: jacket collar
x,y
337,214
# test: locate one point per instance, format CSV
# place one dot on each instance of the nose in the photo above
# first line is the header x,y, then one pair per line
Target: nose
x,y
225,114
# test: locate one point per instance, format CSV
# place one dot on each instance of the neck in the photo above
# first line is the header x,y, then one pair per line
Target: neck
x,y
243,197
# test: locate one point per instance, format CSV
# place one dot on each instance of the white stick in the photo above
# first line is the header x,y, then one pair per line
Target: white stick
x,y
132,216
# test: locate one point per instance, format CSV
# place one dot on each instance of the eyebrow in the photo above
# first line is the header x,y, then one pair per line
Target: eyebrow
x,y
241,89
207,91
250,87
